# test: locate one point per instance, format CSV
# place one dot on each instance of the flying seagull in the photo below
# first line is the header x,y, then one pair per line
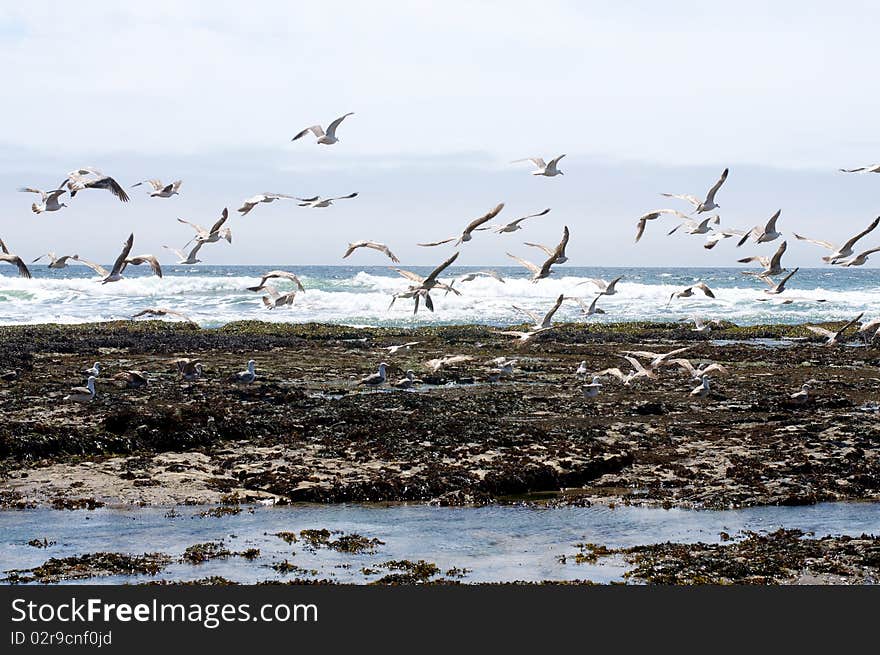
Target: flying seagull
x,y
191,257
701,206
772,265
13,259
275,298
91,178
278,274
266,197
696,227
590,309
213,235
605,287
687,292
327,138
764,234
317,201
844,251
558,252
49,200
542,167
873,168
547,320
860,259
777,288
55,262
424,285
654,215
381,247
161,190
161,311
119,265
513,226
473,225
833,338
716,236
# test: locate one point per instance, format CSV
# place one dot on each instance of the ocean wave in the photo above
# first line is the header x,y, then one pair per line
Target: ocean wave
x,y
360,297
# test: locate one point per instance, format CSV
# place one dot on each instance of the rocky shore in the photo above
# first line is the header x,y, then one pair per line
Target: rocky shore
x,y
304,431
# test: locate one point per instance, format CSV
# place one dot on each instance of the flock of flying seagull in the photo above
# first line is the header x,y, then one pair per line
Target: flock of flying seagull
x,y
420,287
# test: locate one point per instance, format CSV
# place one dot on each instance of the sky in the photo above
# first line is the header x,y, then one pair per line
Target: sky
x,y
642,97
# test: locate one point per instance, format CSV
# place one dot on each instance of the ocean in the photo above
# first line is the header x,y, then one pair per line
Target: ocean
x,y
360,296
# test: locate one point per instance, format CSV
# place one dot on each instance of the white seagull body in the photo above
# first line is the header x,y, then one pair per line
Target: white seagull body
x,y
708,204
327,138
547,169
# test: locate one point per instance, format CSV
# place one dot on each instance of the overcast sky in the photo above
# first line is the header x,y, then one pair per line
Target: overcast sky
x,y
643,97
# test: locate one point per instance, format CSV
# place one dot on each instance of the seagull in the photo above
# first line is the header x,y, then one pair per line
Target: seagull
x,y
873,168
161,311
772,265
188,258
94,372
278,274
833,338
119,265
591,390
15,260
525,337
543,168
447,360
327,138
503,368
548,317
266,197
703,389
381,247
137,260
590,309
55,262
656,358
513,226
424,285
50,200
705,205
538,273
161,190
276,298
190,370
470,277
869,330
696,227
859,259
582,370
213,235
844,251
777,288
687,292
318,202
641,370
82,394
802,397
699,326
393,349
625,378
376,379
763,234
606,288
247,376
79,179
558,251
473,225
133,379
697,373
407,381
653,215
716,236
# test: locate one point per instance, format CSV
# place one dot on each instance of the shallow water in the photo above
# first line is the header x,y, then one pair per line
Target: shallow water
x,y
497,543
216,295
